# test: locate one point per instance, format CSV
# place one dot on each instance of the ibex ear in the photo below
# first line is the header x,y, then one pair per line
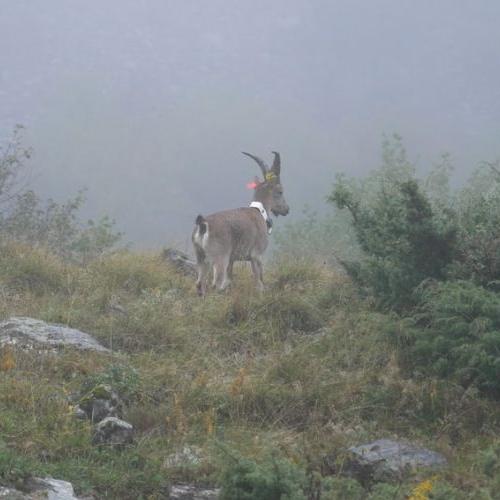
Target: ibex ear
x,y
276,168
255,184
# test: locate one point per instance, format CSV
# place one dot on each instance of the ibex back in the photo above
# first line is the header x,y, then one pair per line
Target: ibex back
x,y
240,234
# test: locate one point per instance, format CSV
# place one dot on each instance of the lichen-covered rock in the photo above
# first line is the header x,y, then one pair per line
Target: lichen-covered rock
x,y
113,431
38,489
29,333
189,492
386,460
12,494
101,402
180,261
55,488
187,457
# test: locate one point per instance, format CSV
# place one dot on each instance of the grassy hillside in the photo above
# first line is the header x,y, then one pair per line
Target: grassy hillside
x,y
290,378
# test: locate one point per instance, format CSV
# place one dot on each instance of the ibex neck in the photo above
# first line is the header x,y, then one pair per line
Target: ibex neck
x,y
265,200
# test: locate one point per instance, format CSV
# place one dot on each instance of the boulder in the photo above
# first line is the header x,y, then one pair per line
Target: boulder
x,y
12,494
189,492
386,460
113,431
101,402
180,261
38,488
29,333
187,457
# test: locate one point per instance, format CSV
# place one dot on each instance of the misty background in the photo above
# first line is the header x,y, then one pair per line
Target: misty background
x,y
148,104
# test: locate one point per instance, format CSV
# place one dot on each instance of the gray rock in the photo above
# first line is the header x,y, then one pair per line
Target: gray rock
x,y
180,261
79,413
12,494
188,492
187,457
29,333
113,431
386,459
38,488
101,402
56,489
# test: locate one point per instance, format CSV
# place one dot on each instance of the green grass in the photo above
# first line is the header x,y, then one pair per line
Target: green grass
x,y
306,369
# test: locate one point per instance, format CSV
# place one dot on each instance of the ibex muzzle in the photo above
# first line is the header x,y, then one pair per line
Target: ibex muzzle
x,y
240,234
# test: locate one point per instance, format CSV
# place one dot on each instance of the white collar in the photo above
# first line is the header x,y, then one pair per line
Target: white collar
x,y
260,207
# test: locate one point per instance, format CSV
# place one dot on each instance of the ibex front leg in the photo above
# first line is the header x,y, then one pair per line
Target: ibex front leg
x,y
257,270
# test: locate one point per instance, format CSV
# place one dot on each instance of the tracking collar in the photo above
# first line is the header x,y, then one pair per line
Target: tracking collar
x,y
260,207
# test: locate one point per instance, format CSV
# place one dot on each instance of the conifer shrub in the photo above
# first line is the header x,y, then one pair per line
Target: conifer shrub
x,y
271,478
456,333
14,468
403,240
339,488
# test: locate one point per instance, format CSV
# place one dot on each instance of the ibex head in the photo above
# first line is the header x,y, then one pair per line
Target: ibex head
x,y
270,191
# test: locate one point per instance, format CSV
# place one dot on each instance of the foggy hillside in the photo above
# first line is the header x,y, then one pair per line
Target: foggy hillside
x,y
148,104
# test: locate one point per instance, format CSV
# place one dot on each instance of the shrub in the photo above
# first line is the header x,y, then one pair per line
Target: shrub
x,y
123,379
458,334
13,467
34,270
478,208
273,478
403,242
339,488
55,226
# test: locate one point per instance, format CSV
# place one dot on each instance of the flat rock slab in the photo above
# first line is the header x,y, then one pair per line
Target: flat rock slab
x,y
30,333
386,459
38,489
12,494
180,261
189,492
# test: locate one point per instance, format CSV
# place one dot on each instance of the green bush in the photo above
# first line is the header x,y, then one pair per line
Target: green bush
x,y
27,219
444,491
14,468
404,238
478,209
457,334
35,270
339,488
273,478
123,379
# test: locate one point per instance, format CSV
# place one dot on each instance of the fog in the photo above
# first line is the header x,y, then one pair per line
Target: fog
x,y
148,104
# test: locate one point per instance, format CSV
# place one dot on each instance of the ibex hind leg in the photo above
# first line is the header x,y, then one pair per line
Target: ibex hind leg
x,y
203,269
221,275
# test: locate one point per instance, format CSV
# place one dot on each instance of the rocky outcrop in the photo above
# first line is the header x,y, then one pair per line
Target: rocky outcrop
x,y
29,333
189,456
101,402
188,492
386,460
38,488
180,261
113,431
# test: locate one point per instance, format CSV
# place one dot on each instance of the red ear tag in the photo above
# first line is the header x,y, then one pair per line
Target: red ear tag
x,y
251,185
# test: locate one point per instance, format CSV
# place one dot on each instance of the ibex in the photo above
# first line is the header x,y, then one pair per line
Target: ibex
x,y
240,234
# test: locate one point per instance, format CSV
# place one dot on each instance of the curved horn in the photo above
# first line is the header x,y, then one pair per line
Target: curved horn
x,y
276,168
260,162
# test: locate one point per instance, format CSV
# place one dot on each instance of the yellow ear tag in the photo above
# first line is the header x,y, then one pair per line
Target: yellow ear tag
x,y
270,176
